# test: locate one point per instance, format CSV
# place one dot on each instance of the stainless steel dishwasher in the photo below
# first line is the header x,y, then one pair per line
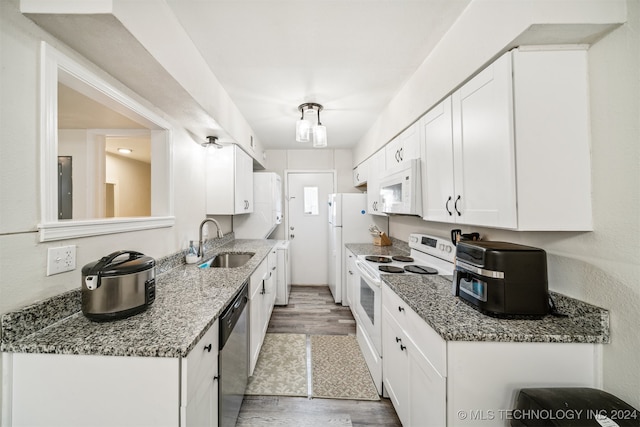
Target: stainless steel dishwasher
x,y
233,359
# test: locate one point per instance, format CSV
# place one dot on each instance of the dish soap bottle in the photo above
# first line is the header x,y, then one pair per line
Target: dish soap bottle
x,y
192,253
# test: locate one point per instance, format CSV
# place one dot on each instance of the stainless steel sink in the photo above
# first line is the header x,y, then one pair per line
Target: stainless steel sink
x,y
228,260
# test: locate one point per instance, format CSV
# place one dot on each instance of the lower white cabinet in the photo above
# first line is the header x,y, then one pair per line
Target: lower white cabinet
x,y
351,277
262,298
199,407
417,390
433,382
82,390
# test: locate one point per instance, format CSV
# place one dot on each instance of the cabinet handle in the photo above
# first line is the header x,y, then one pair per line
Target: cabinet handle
x,y
403,347
446,206
455,205
401,154
399,340
208,348
351,272
216,378
400,308
263,291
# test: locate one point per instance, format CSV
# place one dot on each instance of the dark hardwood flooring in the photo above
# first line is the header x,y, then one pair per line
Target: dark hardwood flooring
x,y
311,310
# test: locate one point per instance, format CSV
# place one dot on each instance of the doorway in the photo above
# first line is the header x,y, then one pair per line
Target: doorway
x,y
307,224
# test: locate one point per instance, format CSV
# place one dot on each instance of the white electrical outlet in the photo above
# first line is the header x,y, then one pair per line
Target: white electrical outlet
x,y
61,259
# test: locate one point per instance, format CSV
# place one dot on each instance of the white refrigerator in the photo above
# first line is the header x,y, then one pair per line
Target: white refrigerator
x,y
349,222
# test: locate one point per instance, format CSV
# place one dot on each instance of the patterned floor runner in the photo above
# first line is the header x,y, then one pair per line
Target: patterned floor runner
x,y
339,370
281,369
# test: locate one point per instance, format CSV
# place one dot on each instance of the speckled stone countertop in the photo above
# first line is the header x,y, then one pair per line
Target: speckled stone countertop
x,y
454,320
188,301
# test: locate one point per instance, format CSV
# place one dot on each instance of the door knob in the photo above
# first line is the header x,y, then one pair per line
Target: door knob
x,y
291,228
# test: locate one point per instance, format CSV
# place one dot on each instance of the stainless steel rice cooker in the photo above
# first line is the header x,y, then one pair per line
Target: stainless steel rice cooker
x,y
118,285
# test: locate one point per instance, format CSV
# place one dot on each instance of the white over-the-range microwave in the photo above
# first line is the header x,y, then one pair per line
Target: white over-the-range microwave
x,y
400,189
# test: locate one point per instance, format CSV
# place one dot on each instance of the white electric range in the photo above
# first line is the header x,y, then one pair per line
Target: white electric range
x,y
429,255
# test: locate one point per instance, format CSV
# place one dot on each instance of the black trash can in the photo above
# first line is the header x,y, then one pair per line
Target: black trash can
x,y
571,407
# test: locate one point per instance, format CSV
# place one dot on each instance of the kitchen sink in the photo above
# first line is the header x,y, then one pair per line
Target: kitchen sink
x,y
228,260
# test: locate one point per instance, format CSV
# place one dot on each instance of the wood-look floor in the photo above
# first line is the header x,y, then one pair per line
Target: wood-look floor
x,y
311,310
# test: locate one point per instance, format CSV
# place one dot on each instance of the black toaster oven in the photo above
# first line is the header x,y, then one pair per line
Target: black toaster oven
x,y
501,278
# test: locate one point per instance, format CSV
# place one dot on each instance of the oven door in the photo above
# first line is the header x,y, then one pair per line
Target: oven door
x,y
369,305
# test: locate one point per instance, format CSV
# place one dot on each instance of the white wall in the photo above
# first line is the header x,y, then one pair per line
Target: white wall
x,y
600,267
22,258
339,160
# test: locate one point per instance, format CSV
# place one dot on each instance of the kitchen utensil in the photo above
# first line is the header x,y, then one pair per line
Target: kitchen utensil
x,y
457,235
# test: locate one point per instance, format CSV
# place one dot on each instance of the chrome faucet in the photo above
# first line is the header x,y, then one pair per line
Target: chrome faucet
x,y
201,242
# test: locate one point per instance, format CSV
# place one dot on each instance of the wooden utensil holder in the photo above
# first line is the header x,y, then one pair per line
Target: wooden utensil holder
x,y
382,240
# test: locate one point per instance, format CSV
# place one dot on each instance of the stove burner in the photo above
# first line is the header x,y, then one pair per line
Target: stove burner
x,y
380,259
420,269
390,269
402,258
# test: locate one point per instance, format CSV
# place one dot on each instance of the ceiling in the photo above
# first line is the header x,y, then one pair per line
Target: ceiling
x,y
351,56
78,111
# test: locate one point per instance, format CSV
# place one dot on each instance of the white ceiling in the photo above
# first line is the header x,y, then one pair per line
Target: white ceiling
x,y
351,56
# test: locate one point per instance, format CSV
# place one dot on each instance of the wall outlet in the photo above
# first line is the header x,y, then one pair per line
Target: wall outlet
x,y
61,259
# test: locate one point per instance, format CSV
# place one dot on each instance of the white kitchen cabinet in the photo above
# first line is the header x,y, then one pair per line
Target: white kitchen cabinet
x,y
351,277
262,297
433,382
360,174
229,181
510,148
199,406
283,274
80,390
411,353
405,146
376,168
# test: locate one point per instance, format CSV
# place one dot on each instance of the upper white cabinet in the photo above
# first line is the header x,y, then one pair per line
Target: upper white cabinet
x,y
510,148
405,146
229,178
376,167
360,174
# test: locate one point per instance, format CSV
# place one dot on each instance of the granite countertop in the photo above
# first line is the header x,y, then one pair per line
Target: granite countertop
x,y
188,301
454,320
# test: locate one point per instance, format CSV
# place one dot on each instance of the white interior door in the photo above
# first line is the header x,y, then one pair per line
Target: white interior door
x,y
308,225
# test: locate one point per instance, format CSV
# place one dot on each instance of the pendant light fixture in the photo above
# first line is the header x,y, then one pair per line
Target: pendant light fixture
x,y
309,128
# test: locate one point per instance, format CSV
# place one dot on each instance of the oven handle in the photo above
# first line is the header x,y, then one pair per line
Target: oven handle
x,y
366,273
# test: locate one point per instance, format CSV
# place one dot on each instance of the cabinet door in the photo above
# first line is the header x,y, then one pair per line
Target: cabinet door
x,y
376,167
350,274
360,174
424,380
437,165
395,362
200,373
405,146
483,144
202,410
243,182
257,291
